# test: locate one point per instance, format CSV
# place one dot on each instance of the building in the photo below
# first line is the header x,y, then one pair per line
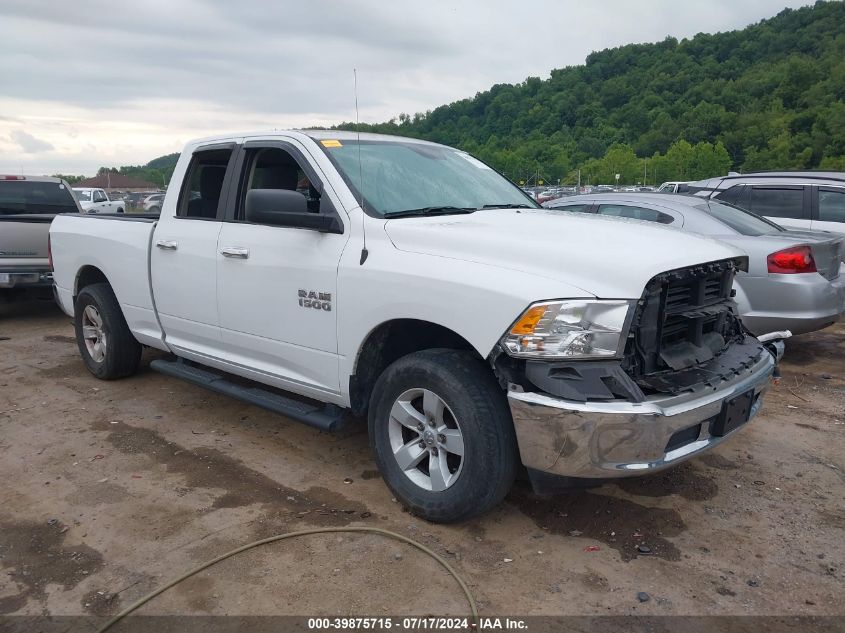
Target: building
x,y
118,182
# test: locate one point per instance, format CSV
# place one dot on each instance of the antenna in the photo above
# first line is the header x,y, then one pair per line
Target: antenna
x,y
364,251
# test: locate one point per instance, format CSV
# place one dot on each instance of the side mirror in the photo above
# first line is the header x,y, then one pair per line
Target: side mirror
x,y
282,207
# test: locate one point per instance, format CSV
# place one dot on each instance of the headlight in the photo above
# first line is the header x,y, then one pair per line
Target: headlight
x,y
581,328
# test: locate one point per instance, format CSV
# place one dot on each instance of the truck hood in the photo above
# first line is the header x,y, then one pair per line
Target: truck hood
x,y
611,258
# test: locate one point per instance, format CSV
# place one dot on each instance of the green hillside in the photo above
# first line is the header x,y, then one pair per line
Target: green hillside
x,y
769,96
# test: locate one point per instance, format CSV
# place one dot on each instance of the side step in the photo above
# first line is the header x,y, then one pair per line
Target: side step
x,y
329,417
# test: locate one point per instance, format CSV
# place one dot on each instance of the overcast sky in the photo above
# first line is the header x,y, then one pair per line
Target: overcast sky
x,y
90,83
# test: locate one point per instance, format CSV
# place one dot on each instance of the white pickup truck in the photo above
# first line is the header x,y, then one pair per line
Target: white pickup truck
x,y
408,281
97,201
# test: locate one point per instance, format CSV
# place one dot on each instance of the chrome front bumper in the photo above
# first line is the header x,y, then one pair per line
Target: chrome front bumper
x,y
618,439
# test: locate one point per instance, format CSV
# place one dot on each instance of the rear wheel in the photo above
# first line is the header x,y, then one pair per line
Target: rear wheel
x,y
442,435
107,346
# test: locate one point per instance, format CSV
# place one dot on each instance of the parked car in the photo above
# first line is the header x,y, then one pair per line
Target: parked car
x,y
97,201
674,186
473,328
798,199
152,204
136,198
795,279
27,206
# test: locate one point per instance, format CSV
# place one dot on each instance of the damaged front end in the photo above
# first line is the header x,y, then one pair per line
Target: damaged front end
x,y
689,376
686,335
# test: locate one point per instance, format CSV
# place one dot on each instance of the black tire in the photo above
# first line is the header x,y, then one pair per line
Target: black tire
x,y
121,353
120,210
154,210
480,411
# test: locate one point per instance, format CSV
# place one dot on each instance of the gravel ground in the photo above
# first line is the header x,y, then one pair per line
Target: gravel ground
x,y
108,489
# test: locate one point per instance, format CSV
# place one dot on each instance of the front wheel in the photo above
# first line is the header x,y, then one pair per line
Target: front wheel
x,y
442,435
107,346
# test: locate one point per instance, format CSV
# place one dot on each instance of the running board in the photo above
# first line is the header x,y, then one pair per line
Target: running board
x,y
329,417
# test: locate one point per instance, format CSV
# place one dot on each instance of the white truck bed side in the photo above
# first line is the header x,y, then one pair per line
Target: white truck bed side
x,y
120,249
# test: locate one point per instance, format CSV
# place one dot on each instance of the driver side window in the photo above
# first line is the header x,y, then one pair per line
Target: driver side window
x,y
274,168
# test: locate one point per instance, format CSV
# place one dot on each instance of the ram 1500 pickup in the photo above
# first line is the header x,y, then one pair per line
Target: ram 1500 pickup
x,y
97,201
27,206
408,281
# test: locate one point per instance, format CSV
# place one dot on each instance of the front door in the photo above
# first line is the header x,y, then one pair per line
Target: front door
x,y
277,285
184,256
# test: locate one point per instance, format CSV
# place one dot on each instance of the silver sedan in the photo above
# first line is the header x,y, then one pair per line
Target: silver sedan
x,y
795,279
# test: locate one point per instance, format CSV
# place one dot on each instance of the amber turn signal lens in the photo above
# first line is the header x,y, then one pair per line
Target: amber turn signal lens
x,y
529,320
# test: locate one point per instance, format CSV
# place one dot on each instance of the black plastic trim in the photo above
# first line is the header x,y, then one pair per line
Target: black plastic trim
x,y
326,417
583,380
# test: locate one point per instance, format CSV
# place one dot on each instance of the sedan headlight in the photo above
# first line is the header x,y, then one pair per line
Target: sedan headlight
x,y
580,328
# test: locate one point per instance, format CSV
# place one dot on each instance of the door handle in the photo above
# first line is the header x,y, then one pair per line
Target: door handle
x,y
235,252
168,245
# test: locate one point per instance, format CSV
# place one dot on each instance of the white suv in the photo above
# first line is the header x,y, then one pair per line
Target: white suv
x,y
798,199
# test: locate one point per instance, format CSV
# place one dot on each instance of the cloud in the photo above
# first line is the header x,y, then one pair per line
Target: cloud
x,y
138,81
28,143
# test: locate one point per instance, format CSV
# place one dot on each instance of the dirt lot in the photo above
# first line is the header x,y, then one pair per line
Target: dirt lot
x,y
108,489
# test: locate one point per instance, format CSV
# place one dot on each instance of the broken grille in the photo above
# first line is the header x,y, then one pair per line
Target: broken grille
x,y
684,319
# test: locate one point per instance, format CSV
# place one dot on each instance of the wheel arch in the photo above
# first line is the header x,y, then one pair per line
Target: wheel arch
x,y
87,276
390,341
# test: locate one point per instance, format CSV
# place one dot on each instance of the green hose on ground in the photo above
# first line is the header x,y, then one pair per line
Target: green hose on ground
x,y
279,537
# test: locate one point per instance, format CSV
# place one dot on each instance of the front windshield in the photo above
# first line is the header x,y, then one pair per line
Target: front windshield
x,y
83,196
396,176
742,221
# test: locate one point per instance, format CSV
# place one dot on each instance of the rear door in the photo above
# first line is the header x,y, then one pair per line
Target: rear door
x,y
277,285
829,209
183,255
787,205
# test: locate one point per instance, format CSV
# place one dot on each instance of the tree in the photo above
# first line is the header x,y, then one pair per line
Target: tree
x,y
71,180
769,96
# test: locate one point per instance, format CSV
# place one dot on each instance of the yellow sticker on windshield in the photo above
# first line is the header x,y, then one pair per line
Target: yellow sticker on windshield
x,y
331,143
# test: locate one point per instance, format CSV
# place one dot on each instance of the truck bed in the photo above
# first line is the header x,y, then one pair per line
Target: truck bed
x,y
116,246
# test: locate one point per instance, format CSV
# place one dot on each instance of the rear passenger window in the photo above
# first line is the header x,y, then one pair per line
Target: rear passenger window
x,y
778,203
577,208
832,206
200,195
637,213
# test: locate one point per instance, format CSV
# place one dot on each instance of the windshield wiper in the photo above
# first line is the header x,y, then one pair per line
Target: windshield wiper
x,y
518,205
404,213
